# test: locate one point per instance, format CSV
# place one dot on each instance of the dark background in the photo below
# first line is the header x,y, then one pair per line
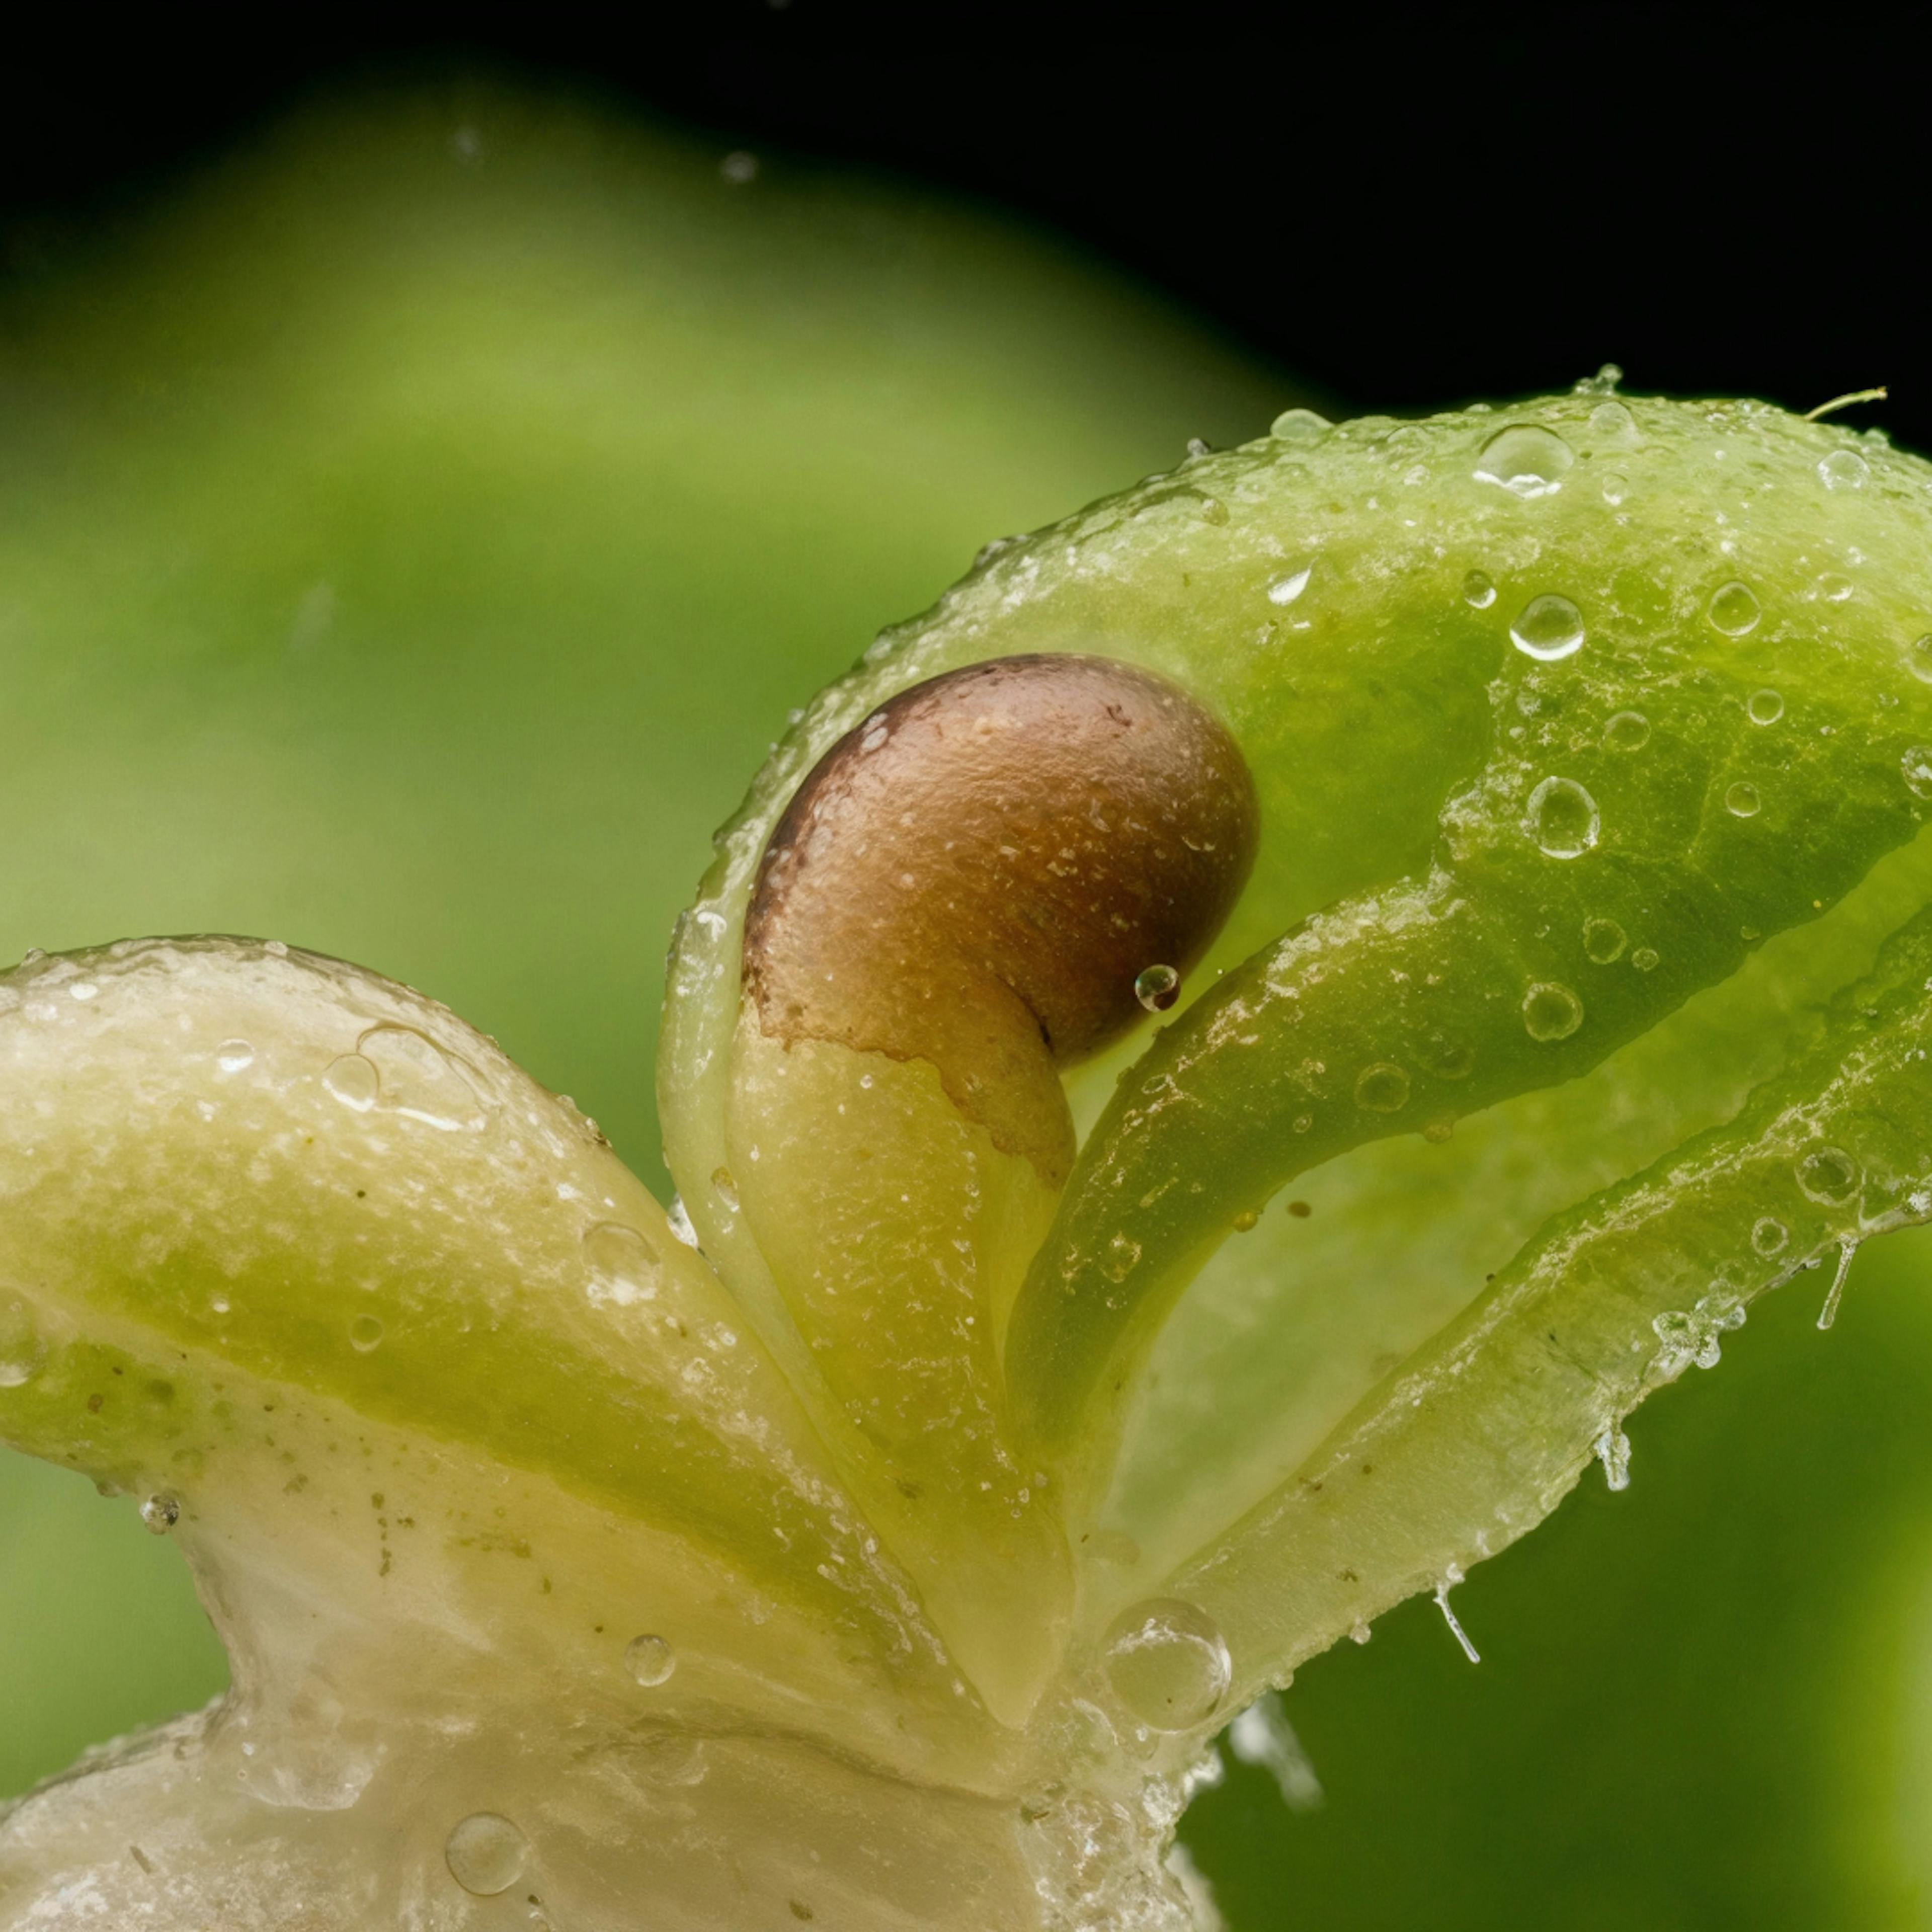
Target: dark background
x,y
1408,206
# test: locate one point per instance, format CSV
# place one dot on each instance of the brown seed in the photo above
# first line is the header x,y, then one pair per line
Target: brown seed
x,y
977,874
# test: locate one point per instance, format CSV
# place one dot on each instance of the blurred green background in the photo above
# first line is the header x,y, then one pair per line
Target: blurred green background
x,y
414,527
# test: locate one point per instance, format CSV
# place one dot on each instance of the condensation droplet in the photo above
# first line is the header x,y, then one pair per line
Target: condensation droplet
x,y
623,1265
353,1081
1604,941
365,1334
1616,487
1769,1236
420,1080
650,1660
1645,959
1918,657
486,1854
1246,1221
1733,609
234,1056
1480,593
1741,801
1526,460
1123,1254
161,1512
1828,1175
1843,470
1562,819
1627,731
1764,707
83,990
1550,629
1381,1088
1156,988
725,1188
1167,1662
1916,764
1286,589
1551,1011
1612,423
1299,426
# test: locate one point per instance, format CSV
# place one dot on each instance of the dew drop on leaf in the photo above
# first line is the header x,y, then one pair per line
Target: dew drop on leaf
x,y
1734,609
1382,1088
1156,988
1562,818
1843,470
486,1854
1550,629
1526,460
1551,1011
1167,1662
650,1660
1604,941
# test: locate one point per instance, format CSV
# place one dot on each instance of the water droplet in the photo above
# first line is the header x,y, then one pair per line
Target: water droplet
x,y
1604,941
1359,1632
1627,731
1550,628
1156,988
83,990
234,1056
1834,587
22,1354
1828,1175
1616,487
1123,1254
1918,657
1286,589
486,1854
725,1188
1480,593
1246,1221
1764,707
623,1264
1612,423
1448,1056
1525,459
1733,610
1551,1011
365,1334
1741,801
1562,819
276,949
1299,426
420,1080
1613,1451
353,1081
1843,470
1182,500
1769,1236
161,1512
1645,959
1382,1088
650,1660
1916,764
1167,1662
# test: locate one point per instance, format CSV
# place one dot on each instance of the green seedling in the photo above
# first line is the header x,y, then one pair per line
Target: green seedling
x,y
1207,1078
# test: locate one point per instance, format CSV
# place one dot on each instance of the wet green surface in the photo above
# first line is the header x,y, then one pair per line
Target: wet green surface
x,y
408,544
